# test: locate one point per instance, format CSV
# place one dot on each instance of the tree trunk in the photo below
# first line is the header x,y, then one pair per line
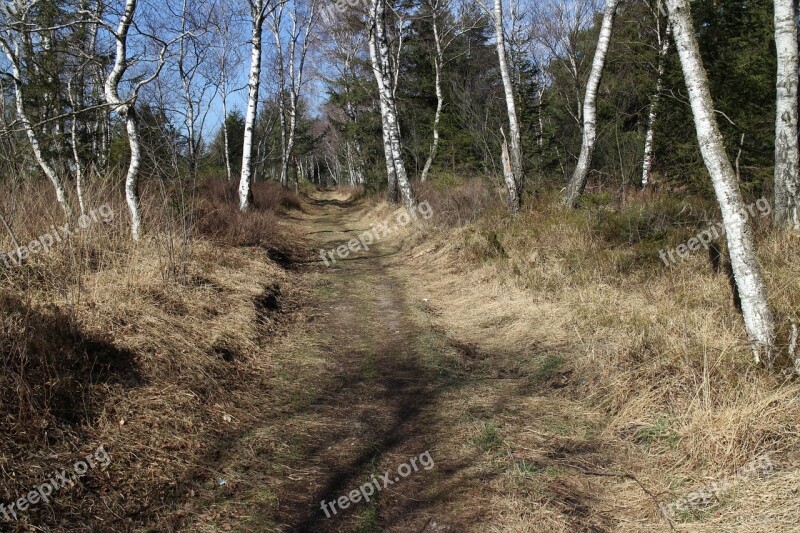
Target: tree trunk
x,y
228,171
514,190
577,183
437,64
22,116
508,174
276,31
758,318
649,144
290,138
132,178
126,109
390,81
76,156
254,83
382,68
787,195
391,173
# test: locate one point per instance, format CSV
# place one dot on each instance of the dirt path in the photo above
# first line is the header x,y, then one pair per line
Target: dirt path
x,y
371,401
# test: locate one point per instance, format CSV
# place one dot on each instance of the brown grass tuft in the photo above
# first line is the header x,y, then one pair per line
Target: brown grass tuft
x,y
152,349
580,302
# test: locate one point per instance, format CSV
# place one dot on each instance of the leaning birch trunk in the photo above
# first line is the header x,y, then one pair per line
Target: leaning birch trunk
x,y
437,65
508,172
577,183
254,82
403,185
513,124
22,117
787,195
758,318
649,144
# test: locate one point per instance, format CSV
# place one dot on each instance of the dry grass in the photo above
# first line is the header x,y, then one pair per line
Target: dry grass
x,y
580,352
658,353
152,349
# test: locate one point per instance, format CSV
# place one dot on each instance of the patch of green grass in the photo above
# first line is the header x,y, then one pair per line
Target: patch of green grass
x,y
659,433
370,367
367,519
693,515
559,426
489,439
530,468
547,368
323,290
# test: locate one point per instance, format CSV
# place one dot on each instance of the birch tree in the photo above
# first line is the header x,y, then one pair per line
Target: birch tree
x,y
383,70
14,44
391,169
513,170
787,193
438,60
76,155
442,39
758,318
558,27
259,10
226,57
291,69
577,183
126,107
197,80
342,50
649,138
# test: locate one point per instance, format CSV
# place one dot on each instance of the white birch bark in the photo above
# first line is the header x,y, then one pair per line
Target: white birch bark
x,y
649,140
787,193
438,60
515,145
296,65
391,190
225,139
126,108
258,14
186,72
539,116
758,318
382,69
12,53
577,183
390,83
508,172
277,28
76,156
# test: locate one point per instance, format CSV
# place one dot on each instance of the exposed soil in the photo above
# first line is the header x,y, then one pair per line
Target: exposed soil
x,y
366,384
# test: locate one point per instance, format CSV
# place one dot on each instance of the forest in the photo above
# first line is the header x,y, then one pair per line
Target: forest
x,y
536,257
